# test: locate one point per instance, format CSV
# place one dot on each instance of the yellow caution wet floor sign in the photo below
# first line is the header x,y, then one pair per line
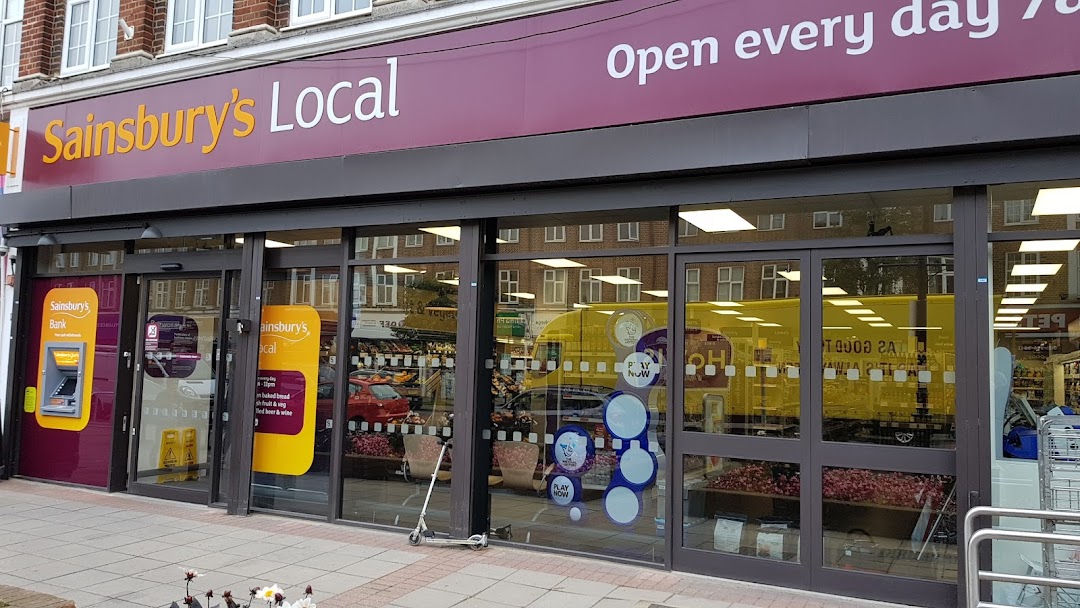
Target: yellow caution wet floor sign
x,y
169,454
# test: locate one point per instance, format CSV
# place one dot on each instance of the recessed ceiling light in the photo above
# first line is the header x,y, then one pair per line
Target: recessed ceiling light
x,y
1025,288
1058,245
845,303
576,305
398,269
1057,201
727,312
660,293
916,328
881,325
866,312
615,279
833,291
1018,301
524,295
751,319
453,282
1013,311
606,312
873,319
269,243
717,220
448,232
769,325
1006,325
1008,319
791,275
836,328
560,263
1035,270
725,304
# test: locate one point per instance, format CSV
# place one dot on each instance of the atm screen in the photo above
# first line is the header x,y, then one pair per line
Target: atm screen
x,y
66,358
68,387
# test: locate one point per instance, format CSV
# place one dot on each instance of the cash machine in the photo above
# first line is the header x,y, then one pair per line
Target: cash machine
x,y
62,379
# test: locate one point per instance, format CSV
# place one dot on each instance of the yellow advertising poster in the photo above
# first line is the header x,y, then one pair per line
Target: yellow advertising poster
x,y
286,390
69,324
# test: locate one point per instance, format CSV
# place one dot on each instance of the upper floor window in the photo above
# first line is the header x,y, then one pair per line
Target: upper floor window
x,y
12,38
90,34
943,212
510,235
828,219
772,221
1019,212
629,231
592,233
310,11
555,234
193,23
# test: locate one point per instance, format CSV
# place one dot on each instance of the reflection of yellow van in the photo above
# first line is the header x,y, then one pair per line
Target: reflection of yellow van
x,y
746,373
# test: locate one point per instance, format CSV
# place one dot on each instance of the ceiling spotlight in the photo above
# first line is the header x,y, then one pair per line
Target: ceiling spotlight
x,y
151,232
47,239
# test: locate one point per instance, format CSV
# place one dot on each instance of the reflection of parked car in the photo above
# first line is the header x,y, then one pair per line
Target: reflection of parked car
x,y
368,402
557,401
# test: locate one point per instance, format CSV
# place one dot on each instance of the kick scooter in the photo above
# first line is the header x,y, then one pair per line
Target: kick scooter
x,y
423,534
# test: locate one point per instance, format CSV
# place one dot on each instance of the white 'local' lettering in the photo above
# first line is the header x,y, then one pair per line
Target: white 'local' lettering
x,y
368,105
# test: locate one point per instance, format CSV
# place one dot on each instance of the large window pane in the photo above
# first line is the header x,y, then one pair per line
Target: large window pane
x,y
577,426
741,359
902,524
889,351
741,507
1035,206
603,232
401,362
411,243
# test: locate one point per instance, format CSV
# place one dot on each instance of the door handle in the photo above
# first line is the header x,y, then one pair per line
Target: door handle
x,y
127,358
123,425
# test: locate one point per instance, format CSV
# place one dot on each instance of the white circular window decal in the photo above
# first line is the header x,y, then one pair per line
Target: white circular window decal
x,y
637,466
621,505
626,416
562,490
640,370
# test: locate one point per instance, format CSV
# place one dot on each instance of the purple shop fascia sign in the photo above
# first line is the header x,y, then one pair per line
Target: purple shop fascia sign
x,y
612,63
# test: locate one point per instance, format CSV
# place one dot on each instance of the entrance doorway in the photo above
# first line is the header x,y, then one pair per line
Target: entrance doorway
x,y
184,362
815,415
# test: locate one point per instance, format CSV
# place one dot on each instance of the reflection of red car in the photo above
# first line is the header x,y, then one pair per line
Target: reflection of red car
x,y
368,402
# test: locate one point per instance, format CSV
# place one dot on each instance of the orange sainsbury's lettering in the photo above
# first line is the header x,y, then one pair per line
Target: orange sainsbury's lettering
x,y
54,141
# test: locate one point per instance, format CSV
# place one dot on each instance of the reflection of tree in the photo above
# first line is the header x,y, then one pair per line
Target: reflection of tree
x,y
874,276
430,306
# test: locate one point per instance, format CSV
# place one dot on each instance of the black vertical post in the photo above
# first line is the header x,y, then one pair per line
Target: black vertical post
x,y
242,418
20,325
472,393
341,376
674,414
125,378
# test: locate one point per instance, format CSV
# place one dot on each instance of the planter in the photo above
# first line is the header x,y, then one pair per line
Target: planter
x,y
359,466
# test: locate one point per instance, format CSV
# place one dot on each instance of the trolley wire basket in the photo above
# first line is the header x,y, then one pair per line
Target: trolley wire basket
x,y
1059,482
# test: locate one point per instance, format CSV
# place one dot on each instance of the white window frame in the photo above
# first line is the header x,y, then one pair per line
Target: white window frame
x,y
414,240
200,27
443,240
328,13
590,233
687,229
10,19
162,293
945,278
555,234
359,293
628,293
629,231
385,289
771,273
555,286
767,222
328,289
943,212
91,37
202,293
590,291
1026,206
829,217
693,284
731,283
181,294
508,284
1013,258
510,235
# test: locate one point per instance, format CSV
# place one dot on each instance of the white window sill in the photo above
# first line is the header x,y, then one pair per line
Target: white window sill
x,y
301,24
65,73
172,52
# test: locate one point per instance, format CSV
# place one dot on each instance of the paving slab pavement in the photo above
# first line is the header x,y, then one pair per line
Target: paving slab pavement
x,y
119,550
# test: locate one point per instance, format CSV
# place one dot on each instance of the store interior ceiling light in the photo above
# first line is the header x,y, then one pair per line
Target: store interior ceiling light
x,y
871,319
1013,311
833,291
727,312
449,232
268,243
836,328
560,263
453,282
615,279
606,312
1057,245
845,303
1006,325
1026,288
1057,201
796,275
660,293
524,295
717,220
919,327
1018,301
881,325
578,305
769,325
399,269
725,304
1035,270
864,312
1008,319
751,319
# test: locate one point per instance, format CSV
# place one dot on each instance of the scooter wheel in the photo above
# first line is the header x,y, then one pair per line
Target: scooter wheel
x,y
477,542
415,538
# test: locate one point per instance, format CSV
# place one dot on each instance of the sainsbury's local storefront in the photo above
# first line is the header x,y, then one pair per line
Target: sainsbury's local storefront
x,y
773,292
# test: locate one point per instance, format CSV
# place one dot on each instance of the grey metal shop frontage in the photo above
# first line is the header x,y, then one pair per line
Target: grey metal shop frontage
x,y
789,345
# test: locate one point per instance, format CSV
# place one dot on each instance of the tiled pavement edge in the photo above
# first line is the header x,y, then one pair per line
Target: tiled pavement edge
x,y
119,550
23,598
